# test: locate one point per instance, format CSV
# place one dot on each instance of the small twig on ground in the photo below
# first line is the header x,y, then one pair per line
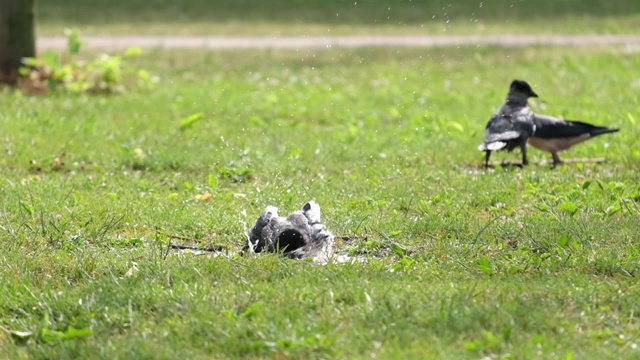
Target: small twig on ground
x,y
216,248
195,248
580,160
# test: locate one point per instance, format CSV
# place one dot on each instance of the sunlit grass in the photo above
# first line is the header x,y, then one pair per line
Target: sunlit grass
x,y
462,262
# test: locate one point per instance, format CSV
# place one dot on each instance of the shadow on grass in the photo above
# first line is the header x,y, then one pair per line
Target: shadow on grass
x,y
331,12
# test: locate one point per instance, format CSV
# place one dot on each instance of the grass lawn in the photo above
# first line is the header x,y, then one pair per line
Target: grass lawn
x,y
338,17
533,263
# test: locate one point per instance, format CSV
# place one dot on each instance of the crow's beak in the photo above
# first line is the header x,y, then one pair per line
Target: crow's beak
x,y
533,94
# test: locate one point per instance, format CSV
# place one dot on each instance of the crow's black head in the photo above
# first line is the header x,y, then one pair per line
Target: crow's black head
x,y
522,87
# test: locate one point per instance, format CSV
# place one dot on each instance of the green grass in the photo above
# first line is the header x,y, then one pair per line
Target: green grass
x,y
338,17
532,263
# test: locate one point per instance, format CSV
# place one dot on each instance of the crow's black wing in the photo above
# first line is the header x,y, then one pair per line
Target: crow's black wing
x,y
509,124
548,127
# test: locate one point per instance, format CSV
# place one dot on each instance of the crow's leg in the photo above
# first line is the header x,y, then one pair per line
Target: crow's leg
x,y
486,158
556,159
523,148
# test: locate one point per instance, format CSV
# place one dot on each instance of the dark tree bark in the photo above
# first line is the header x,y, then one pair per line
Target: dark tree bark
x,y
17,36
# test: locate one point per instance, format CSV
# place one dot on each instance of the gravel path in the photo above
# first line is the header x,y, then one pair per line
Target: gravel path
x,y
172,42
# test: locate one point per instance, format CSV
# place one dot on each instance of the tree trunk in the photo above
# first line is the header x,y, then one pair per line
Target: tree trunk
x,y
17,36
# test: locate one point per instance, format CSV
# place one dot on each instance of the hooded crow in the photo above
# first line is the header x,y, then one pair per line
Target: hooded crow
x,y
299,235
512,125
554,135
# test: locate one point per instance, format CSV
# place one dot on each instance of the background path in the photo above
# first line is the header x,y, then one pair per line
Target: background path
x,y
104,42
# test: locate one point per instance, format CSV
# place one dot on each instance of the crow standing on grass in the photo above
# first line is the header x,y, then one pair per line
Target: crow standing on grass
x,y
555,135
515,124
512,125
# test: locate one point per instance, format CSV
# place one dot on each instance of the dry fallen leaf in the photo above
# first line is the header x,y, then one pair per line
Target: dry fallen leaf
x,y
132,271
139,154
204,197
58,162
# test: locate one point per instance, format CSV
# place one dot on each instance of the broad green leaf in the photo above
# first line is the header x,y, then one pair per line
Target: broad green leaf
x,y
485,265
229,314
48,336
190,120
399,250
133,51
542,207
73,333
143,74
213,181
30,61
28,207
474,346
51,59
457,126
569,207
24,71
490,338
252,310
564,240
611,210
73,40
